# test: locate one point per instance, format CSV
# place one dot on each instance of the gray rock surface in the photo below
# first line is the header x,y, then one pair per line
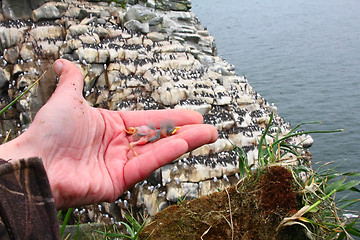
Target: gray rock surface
x,y
19,9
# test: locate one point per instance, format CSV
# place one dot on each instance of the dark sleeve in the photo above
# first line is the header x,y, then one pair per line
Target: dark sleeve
x,y
27,209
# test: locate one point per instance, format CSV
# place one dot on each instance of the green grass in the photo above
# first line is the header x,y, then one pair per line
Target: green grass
x,y
133,229
65,221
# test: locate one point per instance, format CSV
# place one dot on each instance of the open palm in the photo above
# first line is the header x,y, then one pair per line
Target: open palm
x,y
86,151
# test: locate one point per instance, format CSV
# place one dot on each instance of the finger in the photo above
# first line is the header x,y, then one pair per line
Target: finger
x,y
197,135
70,77
155,117
140,167
194,135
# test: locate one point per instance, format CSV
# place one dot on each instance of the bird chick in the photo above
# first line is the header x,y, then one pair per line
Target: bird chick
x,y
148,134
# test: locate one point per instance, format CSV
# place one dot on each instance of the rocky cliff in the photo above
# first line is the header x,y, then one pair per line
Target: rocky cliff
x,y
134,56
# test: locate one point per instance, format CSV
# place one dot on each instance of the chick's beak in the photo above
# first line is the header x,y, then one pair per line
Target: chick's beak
x,y
175,130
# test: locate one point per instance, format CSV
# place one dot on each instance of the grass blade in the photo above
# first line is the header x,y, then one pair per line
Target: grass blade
x,y
243,161
334,185
59,215
320,200
308,132
349,229
263,140
348,185
16,99
302,124
348,203
66,219
7,136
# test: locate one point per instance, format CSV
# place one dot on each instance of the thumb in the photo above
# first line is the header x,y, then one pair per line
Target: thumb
x,y
70,76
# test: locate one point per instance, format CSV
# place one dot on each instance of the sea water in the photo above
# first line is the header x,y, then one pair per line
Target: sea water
x,y
302,55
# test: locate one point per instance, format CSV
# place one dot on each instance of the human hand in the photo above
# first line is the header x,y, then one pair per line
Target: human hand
x,y
85,150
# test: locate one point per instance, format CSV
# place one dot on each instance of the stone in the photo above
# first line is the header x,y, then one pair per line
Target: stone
x,y
17,69
201,151
89,55
74,44
27,51
202,109
181,64
211,186
169,95
72,12
185,190
175,6
200,172
307,142
88,20
102,99
131,54
51,50
156,36
62,7
150,200
46,11
90,39
113,54
189,37
23,82
113,66
85,13
10,37
231,81
144,70
65,50
91,76
49,32
173,48
103,55
139,13
19,9
137,26
76,30
151,3
4,77
135,41
220,145
113,78
113,33
12,54
125,70
164,79
148,76
101,32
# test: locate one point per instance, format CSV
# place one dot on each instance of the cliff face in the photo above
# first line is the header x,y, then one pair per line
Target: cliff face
x,y
138,56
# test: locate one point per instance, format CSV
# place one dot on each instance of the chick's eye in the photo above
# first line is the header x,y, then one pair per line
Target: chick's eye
x,y
169,130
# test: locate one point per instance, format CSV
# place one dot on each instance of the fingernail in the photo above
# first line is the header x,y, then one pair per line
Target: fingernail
x,y
57,67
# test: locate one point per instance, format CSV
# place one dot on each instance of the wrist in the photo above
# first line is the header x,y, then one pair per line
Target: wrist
x,y
18,148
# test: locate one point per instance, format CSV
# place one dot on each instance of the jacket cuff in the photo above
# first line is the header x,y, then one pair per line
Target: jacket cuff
x,y
27,208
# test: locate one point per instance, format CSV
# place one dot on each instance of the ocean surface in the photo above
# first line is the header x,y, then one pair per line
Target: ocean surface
x,y
304,56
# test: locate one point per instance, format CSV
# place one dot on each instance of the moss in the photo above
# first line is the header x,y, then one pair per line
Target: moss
x,y
276,191
257,205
